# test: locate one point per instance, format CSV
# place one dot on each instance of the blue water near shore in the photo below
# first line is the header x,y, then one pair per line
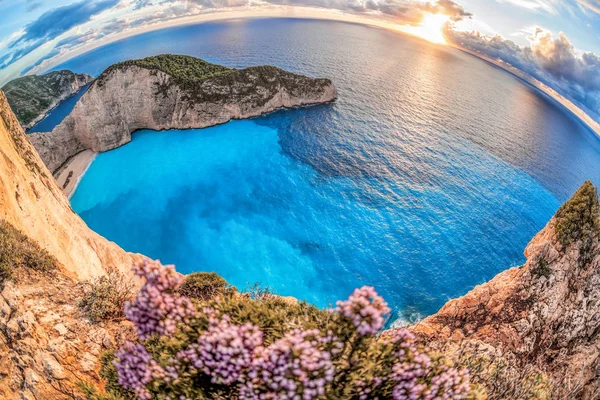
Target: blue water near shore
x,y
428,175
56,115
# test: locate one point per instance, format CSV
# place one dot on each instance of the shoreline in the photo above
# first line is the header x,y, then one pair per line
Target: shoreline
x,y
70,174
51,108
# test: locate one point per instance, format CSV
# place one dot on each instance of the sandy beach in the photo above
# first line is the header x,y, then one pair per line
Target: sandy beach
x,y
70,174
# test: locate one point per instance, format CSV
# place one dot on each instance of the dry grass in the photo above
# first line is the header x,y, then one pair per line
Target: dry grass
x,y
106,296
17,251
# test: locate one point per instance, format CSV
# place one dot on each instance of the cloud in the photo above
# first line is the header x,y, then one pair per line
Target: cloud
x,y
405,11
32,6
54,23
552,59
590,5
533,5
59,20
401,11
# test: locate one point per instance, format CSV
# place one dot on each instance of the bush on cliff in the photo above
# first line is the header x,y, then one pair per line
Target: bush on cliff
x,y
106,296
17,251
234,347
579,218
205,286
578,221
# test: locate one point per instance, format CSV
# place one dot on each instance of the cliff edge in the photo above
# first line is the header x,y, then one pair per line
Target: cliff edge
x,y
545,313
172,92
32,202
47,346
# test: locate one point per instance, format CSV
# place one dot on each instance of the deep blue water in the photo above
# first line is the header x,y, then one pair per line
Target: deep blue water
x,y
56,115
428,175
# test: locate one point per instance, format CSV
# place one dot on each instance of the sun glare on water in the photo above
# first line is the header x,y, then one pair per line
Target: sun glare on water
x,y
431,28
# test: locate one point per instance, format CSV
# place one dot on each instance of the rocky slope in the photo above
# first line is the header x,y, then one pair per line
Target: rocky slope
x,y
46,345
32,202
152,94
545,313
32,96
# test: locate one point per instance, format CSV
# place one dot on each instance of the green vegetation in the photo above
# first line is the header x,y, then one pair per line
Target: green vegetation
x,y
542,269
30,96
580,216
17,251
113,391
205,286
238,347
578,221
185,69
106,297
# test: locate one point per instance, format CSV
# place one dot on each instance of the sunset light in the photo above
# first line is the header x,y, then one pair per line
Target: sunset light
x,y
430,29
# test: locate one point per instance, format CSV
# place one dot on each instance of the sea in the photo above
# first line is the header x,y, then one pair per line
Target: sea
x,y
426,177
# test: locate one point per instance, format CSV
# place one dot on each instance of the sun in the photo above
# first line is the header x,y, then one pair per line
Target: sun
x,y
431,28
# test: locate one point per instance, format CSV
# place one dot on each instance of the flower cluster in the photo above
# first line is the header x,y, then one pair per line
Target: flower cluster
x,y
450,384
157,308
224,351
414,366
366,309
230,360
296,366
136,369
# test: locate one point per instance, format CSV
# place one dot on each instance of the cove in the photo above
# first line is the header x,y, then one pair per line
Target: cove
x,y
227,199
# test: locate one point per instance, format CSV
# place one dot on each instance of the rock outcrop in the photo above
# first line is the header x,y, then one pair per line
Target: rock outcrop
x,y
32,96
545,313
141,95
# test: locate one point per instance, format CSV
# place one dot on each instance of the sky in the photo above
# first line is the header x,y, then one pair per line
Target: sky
x,y
555,41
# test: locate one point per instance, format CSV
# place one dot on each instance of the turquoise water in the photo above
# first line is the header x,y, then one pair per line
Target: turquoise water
x,y
228,199
428,175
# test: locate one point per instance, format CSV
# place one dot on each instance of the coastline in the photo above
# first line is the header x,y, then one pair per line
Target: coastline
x,y
69,175
53,107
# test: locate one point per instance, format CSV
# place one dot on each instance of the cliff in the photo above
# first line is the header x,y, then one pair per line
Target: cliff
x,y
32,202
46,345
172,92
544,314
32,96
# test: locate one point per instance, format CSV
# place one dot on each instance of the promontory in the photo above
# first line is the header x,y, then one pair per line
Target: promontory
x,y
31,97
172,92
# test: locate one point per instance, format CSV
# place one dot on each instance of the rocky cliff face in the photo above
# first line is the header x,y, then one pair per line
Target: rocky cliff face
x,y
545,313
128,97
31,201
46,345
32,96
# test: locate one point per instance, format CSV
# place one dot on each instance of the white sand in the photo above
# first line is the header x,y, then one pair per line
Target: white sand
x,y
70,174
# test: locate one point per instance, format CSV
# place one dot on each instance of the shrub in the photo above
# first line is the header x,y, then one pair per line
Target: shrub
x,y
234,347
17,251
106,297
205,286
497,377
579,218
542,268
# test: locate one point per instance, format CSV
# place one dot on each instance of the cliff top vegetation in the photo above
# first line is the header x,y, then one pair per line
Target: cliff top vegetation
x,y
186,69
31,95
578,220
